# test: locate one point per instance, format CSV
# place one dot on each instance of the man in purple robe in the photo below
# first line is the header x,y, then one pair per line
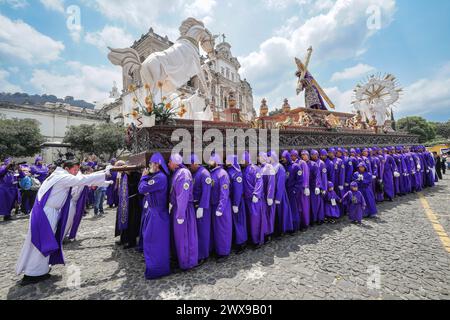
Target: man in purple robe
x,y
335,171
8,189
377,173
222,220
268,174
364,180
304,196
253,197
292,187
313,99
237,203
317,183
283,214
39,170
181,207
430,168
154,185
112,195
419,170
202,195
390,172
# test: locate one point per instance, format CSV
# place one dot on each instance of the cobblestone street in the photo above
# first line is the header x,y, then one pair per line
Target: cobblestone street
x,y
328,262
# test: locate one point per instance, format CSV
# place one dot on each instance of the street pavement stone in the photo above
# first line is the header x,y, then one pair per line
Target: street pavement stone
x,y
326,262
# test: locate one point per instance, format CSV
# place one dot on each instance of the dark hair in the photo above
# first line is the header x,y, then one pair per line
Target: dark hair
x,y
71,163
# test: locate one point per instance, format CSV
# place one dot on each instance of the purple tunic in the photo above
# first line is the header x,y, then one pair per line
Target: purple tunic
x,y
293,187
283,222
222,231
40,172
377,171
8,191
388,176
303,200
253,186
79,211
237,200
156,225
430,164
49,243
184,235
365,187
202,192
317,179
356,204
332,209
269,193
112,195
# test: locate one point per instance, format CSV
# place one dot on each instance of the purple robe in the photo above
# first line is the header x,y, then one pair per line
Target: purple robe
x,y
293,187
317,179
253,186
202,194
40,172
112,195
303,200
377,171
237,200
430,164
222,226
388,176
155,225
356,204
269,193
283,214
8,191
49,243
332,210
365,187
81,205
419,172
185,235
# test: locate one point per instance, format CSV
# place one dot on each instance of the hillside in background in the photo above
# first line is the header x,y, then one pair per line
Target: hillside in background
x,y
24,98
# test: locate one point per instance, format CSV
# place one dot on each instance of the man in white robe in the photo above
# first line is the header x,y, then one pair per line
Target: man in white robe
x,y
32,262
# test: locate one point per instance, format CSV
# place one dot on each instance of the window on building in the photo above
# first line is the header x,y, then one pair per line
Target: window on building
x,y
222,71
232,77
228,73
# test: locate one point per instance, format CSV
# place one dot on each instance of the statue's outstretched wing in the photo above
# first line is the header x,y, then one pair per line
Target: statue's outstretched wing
x,y
127,58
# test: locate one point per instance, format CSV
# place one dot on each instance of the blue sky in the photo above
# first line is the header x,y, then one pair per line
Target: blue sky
x,y
40,54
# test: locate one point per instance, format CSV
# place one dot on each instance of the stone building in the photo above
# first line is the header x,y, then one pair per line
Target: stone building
x,y
54,120
222,76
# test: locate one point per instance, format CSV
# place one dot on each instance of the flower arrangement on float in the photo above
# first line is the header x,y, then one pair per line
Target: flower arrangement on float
x,y
149,113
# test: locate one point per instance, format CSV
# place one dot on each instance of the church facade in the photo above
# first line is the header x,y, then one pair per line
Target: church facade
x,y
222,77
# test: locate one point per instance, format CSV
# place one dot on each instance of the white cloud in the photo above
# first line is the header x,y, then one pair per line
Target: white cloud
x,y
339,33
200,9
15,4
90,83
56,5
352,73
19,40
5,85
109,36
341,99
427,96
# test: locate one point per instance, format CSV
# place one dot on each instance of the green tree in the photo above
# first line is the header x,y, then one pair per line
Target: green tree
x,y
108,139
81,138
443,129
20,137
419,126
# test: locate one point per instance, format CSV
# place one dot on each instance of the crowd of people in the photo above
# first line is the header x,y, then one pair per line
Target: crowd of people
x,y
179,215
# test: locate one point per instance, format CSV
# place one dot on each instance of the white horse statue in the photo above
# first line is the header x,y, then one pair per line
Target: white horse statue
x,y
173,67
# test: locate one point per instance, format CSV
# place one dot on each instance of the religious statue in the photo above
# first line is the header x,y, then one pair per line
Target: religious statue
x,y
304,119
169,70
263,109
314,94
282,125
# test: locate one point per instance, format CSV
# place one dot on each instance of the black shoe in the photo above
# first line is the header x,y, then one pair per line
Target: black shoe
x,y
200,262
7,218
221,259
119,243
27,280
240,249
130,246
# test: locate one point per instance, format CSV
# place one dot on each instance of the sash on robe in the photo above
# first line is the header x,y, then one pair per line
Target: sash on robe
x,y
81,204
42,236
122,210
